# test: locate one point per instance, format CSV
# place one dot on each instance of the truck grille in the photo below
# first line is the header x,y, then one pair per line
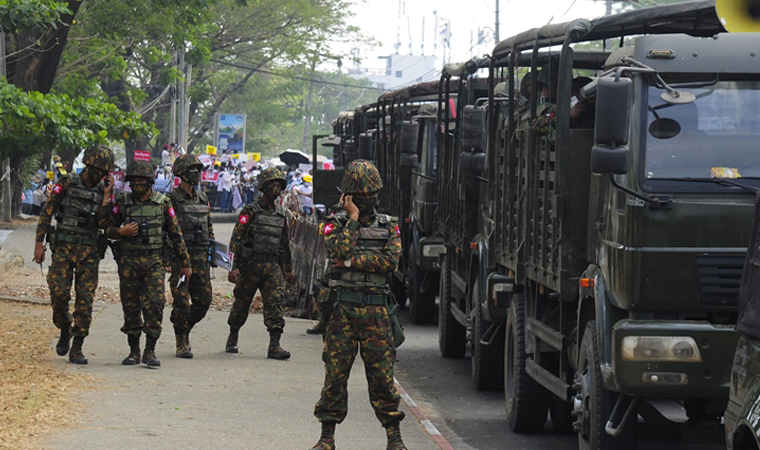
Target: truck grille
x,y
719,277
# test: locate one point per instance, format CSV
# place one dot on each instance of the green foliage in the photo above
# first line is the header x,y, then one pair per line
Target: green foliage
x,y
33,122
22,15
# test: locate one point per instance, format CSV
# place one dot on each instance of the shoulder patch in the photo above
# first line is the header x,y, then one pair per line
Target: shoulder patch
x,y
397,230
327,229
57,188
115,209
243,219
171,212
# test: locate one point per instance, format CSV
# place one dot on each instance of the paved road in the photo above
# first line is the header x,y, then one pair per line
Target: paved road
x,y
470,419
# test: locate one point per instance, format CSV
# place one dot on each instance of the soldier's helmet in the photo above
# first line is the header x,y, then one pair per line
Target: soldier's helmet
x,y
270,175
140,169
549,74
361,177
100,157
187,162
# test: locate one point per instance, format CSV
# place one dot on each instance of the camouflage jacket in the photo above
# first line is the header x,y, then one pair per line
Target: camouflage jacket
x,y
341,234
54,202
194,198
171,228
239,236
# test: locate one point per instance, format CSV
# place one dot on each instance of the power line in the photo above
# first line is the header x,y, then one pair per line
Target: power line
x,y
293,77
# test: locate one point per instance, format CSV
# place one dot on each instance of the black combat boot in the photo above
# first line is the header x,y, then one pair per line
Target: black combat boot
x,y
327,439
149,355
75,355
394,437
62,347
275,351
182,350
134,350
319,328
232,341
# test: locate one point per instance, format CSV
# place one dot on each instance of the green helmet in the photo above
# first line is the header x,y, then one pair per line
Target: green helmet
x,y
272,174
187,162
361,176
549,74
100,157
140,169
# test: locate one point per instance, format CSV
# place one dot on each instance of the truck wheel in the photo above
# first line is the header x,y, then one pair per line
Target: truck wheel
x,y
593,403
452,338
487,360
421,301
526,400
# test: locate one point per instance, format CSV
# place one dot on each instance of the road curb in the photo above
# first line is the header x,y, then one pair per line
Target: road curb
x,y
36,301
431,430
219,217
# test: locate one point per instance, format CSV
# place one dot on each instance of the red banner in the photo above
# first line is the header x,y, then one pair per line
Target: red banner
x,y
209,177
142,155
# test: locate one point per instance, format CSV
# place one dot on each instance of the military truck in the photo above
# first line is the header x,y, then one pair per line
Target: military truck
x,y
609,255
406,158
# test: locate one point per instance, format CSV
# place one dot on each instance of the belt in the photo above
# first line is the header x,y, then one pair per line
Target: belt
x,y
75,239
264,258
149,252
361,298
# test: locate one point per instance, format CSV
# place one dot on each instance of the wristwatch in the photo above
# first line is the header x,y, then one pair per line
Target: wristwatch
x,y
347,263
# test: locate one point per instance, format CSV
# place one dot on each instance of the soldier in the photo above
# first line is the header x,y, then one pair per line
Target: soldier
x,y
364,248
547,109
262,254
140,221
80,206
194,217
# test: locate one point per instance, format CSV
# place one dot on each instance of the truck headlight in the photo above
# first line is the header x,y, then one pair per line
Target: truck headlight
x,y
432,251
661,348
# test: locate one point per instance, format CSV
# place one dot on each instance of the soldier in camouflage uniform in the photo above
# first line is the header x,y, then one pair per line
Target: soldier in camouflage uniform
x,y
194,217
262,254
364,248
140,221
80,206
546,111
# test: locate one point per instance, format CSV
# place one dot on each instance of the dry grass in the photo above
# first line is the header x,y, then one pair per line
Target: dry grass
x,y
35,395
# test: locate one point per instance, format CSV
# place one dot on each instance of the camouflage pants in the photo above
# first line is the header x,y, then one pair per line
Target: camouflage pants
x,y
70,259
141,285
366,329
268,278
192,299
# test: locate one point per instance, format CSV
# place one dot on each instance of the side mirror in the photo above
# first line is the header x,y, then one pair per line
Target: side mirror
x,y
609,160
473,128
410,132
613,111
366,146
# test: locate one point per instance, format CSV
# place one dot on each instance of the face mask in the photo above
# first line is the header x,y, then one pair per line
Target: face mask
x,y
140,189
273,191
96,174
365,205
192,177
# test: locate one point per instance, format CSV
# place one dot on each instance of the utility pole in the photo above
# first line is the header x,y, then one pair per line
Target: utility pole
x,y
609,8
173,98
496,25
5,173
307,110
186,107
180,127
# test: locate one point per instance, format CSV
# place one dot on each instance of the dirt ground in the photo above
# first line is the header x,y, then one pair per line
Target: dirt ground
x,y
35,396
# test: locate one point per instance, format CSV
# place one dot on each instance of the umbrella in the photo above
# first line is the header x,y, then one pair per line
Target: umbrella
x,y
296,157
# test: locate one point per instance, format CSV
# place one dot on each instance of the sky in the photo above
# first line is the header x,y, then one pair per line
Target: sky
x,y
386,21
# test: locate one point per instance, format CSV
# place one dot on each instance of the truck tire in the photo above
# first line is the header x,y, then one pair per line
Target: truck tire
x,y
487,360
594,403
421,301
452,336
526,400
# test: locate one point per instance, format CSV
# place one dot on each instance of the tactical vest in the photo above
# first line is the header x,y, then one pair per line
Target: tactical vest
x,y
262,240
77,216
371,241
150,220
192,217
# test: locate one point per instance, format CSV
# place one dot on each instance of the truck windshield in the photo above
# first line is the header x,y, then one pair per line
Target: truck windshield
x,y
716,136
